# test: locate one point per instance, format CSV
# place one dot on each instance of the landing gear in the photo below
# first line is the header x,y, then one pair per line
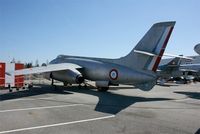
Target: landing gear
x,y
9,87
30,85
185,81
52,82
65,84
102,89
85,86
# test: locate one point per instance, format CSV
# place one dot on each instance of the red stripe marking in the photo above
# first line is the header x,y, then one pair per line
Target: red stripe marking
x,y
2,74
162,50
19,79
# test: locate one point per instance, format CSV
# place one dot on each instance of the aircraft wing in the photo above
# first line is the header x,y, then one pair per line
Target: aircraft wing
x,y
189,70
190,67
45,69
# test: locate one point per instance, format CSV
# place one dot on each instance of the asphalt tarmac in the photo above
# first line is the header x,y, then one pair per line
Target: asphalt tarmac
x,y
170,109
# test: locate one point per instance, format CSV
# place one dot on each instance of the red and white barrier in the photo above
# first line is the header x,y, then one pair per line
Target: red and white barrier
x,y
9,80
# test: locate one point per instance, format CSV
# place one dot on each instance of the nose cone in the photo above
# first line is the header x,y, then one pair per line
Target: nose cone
x,y
197,49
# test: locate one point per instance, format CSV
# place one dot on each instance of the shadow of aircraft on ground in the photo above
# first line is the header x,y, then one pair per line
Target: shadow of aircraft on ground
x,y
193,95
109,102
168,85
39,90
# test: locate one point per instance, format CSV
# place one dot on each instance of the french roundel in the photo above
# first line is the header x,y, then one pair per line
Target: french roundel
x,y
113,74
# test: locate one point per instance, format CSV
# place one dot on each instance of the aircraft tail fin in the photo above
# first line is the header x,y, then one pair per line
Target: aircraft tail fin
x,y
148,52
174,62
171,65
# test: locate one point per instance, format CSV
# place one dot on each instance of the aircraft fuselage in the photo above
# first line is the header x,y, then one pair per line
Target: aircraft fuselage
x,y
98,70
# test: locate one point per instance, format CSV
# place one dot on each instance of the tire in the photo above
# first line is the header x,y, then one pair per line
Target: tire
x,y
65,84
102,89
30,86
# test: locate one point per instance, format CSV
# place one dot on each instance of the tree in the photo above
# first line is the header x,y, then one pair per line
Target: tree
x,y
37,63
44,64
28,65
47,62
13,60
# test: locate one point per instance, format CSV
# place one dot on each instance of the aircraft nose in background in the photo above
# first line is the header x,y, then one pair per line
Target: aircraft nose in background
x,y
197,48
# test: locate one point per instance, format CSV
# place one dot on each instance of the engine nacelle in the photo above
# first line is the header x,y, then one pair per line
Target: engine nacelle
x,y
69,76
197,49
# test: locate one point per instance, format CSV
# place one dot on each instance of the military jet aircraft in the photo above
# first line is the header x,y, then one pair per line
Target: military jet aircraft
x,y
171,69
191,68
180,68
137,68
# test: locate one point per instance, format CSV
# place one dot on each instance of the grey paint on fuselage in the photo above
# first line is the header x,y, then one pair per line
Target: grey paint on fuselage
x,y
98,69
136,68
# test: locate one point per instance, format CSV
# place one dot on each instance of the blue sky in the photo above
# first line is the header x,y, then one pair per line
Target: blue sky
x,y
43,29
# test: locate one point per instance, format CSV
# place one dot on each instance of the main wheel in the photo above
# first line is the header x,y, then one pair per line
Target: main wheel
x,y
102,89
65,84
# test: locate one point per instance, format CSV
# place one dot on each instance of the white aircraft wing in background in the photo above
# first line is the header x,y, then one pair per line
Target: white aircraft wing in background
x,y
189,70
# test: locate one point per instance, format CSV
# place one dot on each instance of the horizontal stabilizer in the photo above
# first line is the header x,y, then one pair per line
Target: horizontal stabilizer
x,y
178,56
145,53
165,54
